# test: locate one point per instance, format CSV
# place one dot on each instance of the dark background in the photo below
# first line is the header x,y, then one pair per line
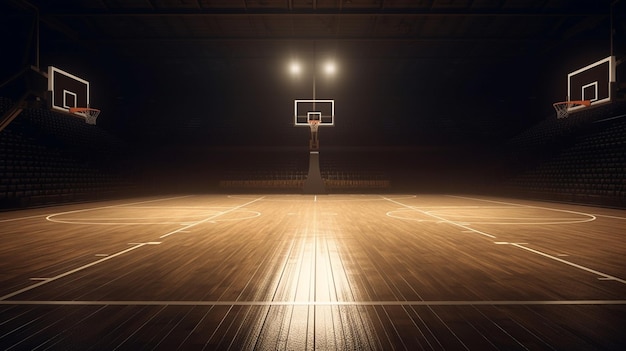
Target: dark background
x,y
409,72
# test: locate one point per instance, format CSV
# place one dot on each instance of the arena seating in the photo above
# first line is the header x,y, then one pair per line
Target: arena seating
x,y
348,171
584,158
48,158
287,171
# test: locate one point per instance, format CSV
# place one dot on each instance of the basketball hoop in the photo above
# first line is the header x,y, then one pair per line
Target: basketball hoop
x,y
90,114
314,124
562,108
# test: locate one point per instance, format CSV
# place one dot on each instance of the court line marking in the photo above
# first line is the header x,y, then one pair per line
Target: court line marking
x,y
21,218
314,303
322,198
607,216
440,218
520,245
199,208
593,218
254,214
113,206
95,220
393,215
129,218
134,247
62,275
537,220
210,218
603,275
513,218
436,208
89,222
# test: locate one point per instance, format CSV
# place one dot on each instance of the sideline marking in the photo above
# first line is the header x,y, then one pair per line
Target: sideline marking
x,y
315,303
603,275
62,275
520,245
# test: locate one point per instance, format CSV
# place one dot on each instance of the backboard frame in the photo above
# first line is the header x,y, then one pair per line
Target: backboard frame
x,y
67,98
326,114
591,89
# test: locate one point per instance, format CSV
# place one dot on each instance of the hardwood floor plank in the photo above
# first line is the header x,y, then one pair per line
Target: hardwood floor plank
x,y
283,272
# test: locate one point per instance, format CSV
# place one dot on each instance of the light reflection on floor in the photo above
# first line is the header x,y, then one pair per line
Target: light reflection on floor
x,y
304,272
313,271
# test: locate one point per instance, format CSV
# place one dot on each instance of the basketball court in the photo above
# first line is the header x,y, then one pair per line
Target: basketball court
x,y
310,270
370,272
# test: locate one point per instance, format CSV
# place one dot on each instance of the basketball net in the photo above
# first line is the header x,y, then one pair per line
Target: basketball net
x,y
563,108
314,124
90,114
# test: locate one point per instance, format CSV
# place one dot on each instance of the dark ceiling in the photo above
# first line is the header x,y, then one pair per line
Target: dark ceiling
x,y
423,68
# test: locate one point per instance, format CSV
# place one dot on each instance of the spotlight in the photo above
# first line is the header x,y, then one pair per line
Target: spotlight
x,y
329,68
295,68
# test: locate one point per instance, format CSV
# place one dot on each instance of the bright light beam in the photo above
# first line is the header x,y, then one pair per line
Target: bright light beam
x,y
330,68
295,68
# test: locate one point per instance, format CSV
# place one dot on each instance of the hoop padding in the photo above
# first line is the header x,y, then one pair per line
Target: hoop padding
x,y
90,114
562,108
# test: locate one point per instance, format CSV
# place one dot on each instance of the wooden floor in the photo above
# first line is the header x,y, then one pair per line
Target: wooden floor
x,y
304,272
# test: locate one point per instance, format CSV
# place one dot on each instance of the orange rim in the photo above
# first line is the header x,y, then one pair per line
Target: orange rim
x,y
83,109
573,103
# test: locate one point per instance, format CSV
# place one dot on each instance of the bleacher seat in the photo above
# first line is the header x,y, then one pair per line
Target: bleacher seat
x,y
48,158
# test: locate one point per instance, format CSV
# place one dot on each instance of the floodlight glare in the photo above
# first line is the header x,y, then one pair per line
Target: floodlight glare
x,y
294,68
329,68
